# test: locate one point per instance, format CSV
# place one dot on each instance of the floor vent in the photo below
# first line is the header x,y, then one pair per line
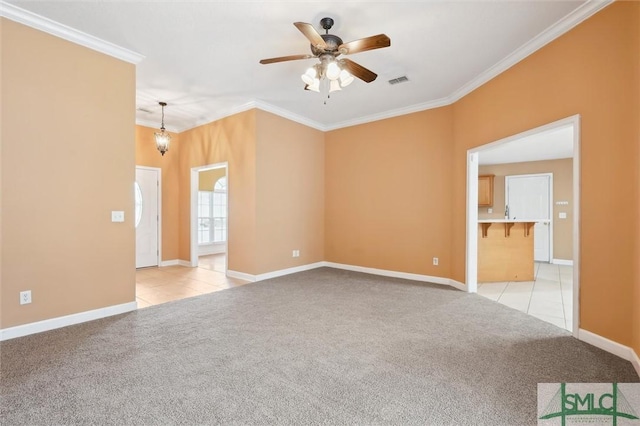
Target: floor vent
x,y
398,80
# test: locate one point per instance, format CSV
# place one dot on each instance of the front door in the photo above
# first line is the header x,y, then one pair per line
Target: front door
x,y
146,216
529,197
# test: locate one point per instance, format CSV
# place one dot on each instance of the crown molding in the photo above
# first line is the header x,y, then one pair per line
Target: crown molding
x,y
49,26
582,13
391,113
585,11
264,106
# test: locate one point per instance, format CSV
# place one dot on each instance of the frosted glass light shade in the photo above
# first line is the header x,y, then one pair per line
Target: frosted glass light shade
x,y
333,71
345,78
309,76
315,85
163,139
334,86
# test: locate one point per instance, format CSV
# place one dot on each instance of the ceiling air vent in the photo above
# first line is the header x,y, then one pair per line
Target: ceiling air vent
x,y
145,110
398,80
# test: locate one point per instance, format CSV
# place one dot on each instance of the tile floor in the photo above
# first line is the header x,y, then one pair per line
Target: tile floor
x,y
160,285
549,297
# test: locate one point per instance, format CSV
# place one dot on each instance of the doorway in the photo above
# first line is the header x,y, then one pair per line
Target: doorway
x,y
531,197
473,160
209,217
147,216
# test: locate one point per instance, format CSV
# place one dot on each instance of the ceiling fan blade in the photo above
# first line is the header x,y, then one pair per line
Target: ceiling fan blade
x,y
311,34
285,58
364,44
359,71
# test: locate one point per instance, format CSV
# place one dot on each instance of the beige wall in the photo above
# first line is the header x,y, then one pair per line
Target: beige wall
x,y
388,193
562,191
593,71
169,163
67,161
232,140
290,193
208,178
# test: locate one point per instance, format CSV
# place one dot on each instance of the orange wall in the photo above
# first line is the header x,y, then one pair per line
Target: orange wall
x,y
232,140
147,155
592,71
67,161
388,193
290,193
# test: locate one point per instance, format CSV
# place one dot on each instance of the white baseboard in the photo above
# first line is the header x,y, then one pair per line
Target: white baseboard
x,y
624,352
208,249
53,323
185,263
396,274
174,262
295,269
241,275
562,262
635,360
373,271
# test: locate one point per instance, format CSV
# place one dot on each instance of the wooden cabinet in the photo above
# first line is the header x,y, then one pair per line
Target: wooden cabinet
x,y
485,190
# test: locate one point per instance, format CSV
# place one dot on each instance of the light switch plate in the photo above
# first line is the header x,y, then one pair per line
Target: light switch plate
x,y
562,215
117,216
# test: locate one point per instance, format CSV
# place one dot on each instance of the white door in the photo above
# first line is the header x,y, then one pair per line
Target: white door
x,y
146,216
529,197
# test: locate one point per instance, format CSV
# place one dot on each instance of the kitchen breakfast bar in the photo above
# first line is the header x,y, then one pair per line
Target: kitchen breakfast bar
x,y
505,250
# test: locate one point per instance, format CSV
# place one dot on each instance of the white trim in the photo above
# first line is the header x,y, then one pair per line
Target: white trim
x,y
564,262
287,271
59,322
173,262
213,248
582,13
397,274
461,286
471,249
635,361
185,263
241,275
354,268
471,270
193,209
390,114
65,32
615,348
576,224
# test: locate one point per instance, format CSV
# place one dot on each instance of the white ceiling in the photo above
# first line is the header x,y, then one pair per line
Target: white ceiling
x,y
552,144
201,57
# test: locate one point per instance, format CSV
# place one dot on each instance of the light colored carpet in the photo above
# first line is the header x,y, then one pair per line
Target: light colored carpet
x,y
319,347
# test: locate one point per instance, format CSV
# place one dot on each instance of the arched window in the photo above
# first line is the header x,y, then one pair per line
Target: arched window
x,y
212,213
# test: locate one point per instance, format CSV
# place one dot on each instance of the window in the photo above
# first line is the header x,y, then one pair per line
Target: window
x,y
212,214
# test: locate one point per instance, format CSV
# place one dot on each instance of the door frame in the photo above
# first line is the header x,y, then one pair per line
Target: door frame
x,y
472,208
550,176
159,207
193,215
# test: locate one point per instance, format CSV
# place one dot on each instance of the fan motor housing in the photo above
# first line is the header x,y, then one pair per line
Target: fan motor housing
x,y
333,42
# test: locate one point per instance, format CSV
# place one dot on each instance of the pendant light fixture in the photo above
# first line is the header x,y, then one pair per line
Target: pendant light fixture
x,y
163,138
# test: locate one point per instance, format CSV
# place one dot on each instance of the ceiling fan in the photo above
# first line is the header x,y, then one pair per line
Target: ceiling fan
x,y
327,47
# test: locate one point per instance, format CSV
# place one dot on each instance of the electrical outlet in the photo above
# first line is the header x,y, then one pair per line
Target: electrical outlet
x,y
435,261
296,253
489,210
25,297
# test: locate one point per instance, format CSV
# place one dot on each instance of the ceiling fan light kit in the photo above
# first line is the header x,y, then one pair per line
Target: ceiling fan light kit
x,y
332,74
